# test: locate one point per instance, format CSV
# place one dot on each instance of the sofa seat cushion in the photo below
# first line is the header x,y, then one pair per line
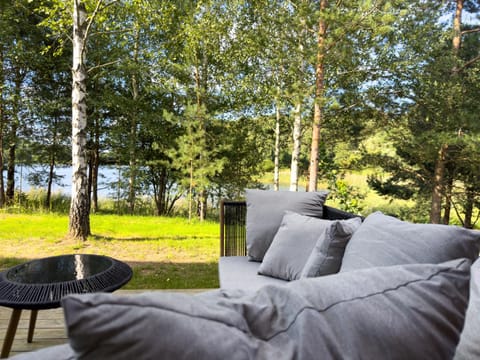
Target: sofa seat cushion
x,y
58,352
237,272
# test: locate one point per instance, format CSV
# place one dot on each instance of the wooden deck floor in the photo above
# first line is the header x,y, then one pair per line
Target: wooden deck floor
x,y
50,327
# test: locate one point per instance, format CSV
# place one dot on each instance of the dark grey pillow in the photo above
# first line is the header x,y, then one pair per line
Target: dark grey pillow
x,y
265,210
469,346
400,312
383,240
306,247
326,257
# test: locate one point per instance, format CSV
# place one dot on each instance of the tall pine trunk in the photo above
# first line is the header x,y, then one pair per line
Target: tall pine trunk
x,y
319,93
469,205
438,186
297,143
79,219
439,172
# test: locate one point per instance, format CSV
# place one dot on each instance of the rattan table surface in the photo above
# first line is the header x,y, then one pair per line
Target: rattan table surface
x,y
40,284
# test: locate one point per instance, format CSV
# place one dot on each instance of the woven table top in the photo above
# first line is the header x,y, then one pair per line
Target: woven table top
x,y
41,284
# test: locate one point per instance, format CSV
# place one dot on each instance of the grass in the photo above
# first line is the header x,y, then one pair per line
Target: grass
x,y
165,253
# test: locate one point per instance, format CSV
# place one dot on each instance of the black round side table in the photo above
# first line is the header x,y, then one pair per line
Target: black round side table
x,y
41,284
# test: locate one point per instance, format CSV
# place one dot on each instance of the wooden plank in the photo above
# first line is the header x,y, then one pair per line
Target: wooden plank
x,y
50,325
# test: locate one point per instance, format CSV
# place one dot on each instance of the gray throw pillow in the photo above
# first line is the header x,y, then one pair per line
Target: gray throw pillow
x,y
265,210
306,247
383,240
326,257
399,312
469,346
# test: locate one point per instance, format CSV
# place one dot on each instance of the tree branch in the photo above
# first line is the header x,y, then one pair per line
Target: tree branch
x,y
98,8
471,31
102,65
466,64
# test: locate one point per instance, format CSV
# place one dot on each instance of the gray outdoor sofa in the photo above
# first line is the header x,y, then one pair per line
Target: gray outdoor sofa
x,y
236,271
333,286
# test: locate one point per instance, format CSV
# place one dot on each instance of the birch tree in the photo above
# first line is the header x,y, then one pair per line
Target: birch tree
x,y
79,219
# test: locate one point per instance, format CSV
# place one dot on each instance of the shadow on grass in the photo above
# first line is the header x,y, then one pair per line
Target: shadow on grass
x,y
158,275
144,238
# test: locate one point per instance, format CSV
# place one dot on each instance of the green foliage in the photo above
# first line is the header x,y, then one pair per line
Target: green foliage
x,y
34,201
347,196
388,71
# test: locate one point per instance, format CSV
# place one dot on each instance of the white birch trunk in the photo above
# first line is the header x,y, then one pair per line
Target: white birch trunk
x,y
79,220
276,171
297,143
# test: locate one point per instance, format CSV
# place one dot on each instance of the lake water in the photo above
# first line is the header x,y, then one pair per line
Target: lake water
x,y
107,175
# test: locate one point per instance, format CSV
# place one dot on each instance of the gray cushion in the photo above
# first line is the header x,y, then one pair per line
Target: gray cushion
x,y
469,346
58,352
265,210
237,272
399,312
303,238
326,257
383,240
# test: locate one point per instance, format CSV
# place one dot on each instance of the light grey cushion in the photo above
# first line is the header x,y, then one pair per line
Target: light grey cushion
x,y
383,240
469,346
399,312
59,352
301,239
237,272
265,210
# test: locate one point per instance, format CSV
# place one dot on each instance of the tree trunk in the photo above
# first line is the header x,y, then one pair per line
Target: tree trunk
x,y
319,92
438,186
203,205
79,219
10,191
447,208
297,143
95,160
2,127
13,138
132,180
51,172
457,27
469,204
276,167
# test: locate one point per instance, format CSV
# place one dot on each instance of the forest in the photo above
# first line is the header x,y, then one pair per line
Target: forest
x,y
198,99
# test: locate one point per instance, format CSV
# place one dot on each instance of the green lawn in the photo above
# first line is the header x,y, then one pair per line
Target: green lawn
x,y
165,253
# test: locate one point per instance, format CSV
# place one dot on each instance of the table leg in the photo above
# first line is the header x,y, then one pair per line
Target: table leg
x,y
10,335
31,327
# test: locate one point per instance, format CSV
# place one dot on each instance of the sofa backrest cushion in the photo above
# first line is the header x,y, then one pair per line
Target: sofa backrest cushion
x,y
305,246
383,240
265,210
469,346
399,312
